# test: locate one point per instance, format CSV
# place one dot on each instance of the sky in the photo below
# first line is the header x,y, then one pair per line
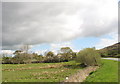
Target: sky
x,y
50,25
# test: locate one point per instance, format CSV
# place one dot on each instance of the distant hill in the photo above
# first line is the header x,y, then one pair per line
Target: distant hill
x,y
113,47
111,51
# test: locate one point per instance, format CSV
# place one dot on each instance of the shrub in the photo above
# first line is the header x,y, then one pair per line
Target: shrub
x,y
89,57
6,60
22,58
53,59
117,56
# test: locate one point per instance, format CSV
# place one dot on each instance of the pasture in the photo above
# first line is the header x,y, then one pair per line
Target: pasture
x,y
108,72
57,72
40,72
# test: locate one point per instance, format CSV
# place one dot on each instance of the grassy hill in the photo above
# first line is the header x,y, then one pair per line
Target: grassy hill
x,y
113,47
111,51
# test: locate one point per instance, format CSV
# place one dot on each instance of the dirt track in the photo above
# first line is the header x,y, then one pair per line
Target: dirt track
x,y
81,75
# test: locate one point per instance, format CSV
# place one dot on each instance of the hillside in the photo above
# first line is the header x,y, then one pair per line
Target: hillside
x,y
113,47
111,51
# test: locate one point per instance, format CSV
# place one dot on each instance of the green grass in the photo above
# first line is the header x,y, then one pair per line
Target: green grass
x,y
41,72
56,72
108,72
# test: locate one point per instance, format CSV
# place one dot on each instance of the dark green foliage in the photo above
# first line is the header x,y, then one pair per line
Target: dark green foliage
x,y
50,54
6,60
117,56
89,56
51,58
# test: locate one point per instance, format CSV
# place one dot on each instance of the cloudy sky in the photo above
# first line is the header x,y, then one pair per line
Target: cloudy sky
x,y
54,24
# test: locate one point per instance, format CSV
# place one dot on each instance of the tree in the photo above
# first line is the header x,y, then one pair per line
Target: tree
x,y
51,57
66,50
50,54
37,57
22,55
74,55
6,60
67,54
89,57
17,52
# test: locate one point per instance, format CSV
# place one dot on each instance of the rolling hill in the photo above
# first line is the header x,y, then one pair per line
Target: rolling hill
x,y
111,51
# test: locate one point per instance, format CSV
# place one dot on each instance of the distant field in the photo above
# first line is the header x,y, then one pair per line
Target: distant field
x,y
42,72
107,73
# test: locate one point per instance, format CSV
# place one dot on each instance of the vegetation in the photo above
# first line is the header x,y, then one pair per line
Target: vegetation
x,y
67,54
23,57
6,60
51,58
55,68
89,57
39,72
108,72
111,51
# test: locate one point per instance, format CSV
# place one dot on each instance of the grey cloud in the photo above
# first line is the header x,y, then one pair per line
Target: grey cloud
x,y
45,22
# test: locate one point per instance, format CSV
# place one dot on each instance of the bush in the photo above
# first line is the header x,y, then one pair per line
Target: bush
x,y
53,59
6,60
22,58
117,56
89,57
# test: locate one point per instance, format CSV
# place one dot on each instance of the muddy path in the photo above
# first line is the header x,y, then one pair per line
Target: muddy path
x,y
81,75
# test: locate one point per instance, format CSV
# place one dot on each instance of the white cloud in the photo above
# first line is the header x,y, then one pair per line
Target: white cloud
x,y
41,52
59,45
104,42
55,47
7,52
47,22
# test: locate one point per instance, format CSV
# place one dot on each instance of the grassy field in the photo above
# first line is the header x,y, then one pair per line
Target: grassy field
x,y
107,73
41,72
56,72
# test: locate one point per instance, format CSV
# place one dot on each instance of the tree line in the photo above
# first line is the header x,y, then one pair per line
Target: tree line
x,y
23,57
87,56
